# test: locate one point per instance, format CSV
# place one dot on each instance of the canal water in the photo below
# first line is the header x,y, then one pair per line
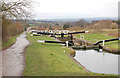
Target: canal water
x,y
98,61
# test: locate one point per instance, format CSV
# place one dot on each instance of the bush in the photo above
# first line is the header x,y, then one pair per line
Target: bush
x,y
65,26
114,26
10,29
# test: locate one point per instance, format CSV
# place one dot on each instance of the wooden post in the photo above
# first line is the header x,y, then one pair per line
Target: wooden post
x,y
103,43
67,43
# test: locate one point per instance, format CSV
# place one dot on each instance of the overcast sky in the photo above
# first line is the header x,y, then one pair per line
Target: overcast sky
x,y
52,9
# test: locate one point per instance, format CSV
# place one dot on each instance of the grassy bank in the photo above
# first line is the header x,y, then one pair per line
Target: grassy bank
x,y
44,59
97,37
9,42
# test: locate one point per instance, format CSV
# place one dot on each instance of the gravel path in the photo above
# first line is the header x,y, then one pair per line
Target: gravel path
x,y
13,61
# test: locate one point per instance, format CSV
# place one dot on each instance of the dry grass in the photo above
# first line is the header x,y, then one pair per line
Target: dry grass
x,y
10,29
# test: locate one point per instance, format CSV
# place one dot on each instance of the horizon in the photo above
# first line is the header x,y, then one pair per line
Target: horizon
x,y
91,18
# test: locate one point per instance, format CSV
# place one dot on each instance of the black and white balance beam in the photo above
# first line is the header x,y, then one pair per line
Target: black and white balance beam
x,y
106,41
60,42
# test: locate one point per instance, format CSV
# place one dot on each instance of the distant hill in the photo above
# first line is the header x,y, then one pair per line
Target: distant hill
x,y
77,19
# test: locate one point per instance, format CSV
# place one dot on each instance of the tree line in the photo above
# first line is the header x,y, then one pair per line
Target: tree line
x,y
98,25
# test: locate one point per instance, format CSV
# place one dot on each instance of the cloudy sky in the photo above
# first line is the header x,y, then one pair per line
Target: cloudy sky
x,y
52,9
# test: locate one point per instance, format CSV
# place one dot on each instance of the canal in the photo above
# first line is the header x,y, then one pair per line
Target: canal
x,y
98,61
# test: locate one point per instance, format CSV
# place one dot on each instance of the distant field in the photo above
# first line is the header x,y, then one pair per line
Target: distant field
x,y
44,59
97,37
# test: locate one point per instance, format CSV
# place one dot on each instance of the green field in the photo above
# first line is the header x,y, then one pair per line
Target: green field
x,y
44,59
97,37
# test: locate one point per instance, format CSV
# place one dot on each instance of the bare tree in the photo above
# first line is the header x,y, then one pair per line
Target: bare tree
x,y
13,10
18,9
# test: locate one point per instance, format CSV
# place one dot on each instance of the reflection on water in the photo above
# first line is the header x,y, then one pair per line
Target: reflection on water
x,y
98,62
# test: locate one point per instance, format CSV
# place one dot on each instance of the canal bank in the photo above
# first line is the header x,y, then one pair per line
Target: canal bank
x,y
49,59
98,61
107,49
71,55
84,45
88,42
44,59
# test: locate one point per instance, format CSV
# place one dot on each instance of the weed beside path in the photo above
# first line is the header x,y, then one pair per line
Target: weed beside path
x,y
8,43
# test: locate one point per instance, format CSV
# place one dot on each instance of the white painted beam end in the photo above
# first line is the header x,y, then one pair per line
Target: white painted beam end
x,y
41,41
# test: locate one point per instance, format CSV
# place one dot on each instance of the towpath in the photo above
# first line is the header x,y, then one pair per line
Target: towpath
x,y
13,58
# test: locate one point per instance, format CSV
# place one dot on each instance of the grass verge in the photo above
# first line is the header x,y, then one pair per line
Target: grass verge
x,y
44,59
8,43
